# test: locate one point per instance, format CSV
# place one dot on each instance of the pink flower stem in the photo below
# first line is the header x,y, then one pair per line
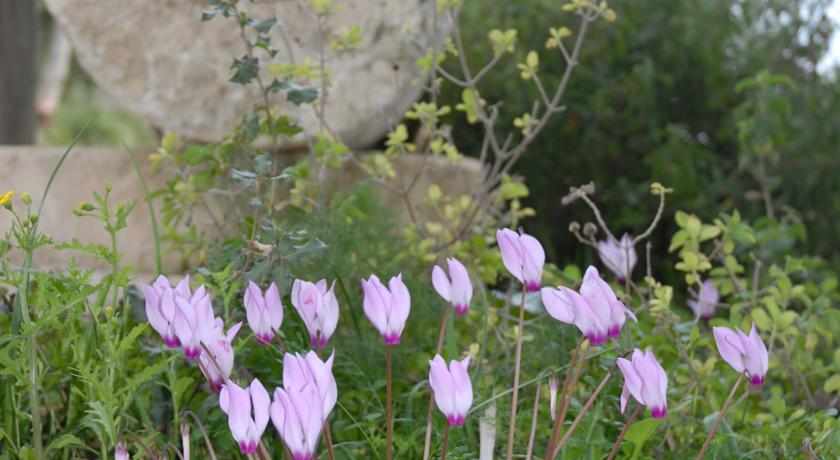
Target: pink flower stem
x,y
534,419
444,446
565,397
515,389
620,438
579,417
389,416
719,419
328,440
427,447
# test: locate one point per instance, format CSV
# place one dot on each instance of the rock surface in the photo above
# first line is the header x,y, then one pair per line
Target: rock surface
x,y
157,58
88,170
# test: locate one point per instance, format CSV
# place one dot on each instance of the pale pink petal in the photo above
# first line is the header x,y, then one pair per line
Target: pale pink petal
x,y
512,256
560,303
730,347
274,307
441,283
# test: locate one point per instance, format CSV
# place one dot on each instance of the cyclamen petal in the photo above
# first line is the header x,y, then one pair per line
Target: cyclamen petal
x,y
523,256
387,307
304,403
706,300
318,308
646,381
745,353
121,453
452,388
218,366
456,288
618,256
264,311
248,413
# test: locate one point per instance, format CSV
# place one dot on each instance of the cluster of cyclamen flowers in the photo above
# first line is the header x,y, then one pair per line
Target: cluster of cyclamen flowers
x,y
300,408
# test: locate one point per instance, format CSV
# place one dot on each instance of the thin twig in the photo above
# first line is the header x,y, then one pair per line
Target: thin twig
x,y
617,444
444,446
517,365
719,418
580,415
534,419
389,414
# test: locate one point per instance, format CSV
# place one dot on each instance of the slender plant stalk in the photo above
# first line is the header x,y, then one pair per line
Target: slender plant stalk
x,y
444,446
427,447
534,419
151,206
580,415
389,410
719,419
185,440
328,440
617,443
517,364
565,396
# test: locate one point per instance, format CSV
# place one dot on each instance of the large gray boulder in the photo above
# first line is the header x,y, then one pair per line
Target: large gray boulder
x,y
88,170
157,58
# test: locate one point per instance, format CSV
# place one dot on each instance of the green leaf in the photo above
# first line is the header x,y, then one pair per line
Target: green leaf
x,y
244,70
640,432
762,320
64,441
195,154
708,232
265,25
832,384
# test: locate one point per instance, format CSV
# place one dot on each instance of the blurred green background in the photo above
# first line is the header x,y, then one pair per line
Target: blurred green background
x,y
719,100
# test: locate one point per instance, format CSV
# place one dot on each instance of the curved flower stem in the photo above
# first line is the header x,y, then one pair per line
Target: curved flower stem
x,y
720,416
580,415
617,443
444,446
534,419
519,334
427,447
568,383
389,415
328,440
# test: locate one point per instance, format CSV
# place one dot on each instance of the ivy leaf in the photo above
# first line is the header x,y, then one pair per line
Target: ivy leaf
x,y
301,95
265,25
244,70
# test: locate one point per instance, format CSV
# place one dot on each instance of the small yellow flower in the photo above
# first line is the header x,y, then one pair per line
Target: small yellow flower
x,y
6,198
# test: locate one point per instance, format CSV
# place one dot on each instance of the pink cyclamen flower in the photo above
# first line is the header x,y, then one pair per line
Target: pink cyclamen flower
x,y
596,310
387,307
452,388
218,364
160,307
745,353
318,308
706,300
194,322
295,415
523,257
646,381
619,256
300,371
248,412
121,453
456,288
263,311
